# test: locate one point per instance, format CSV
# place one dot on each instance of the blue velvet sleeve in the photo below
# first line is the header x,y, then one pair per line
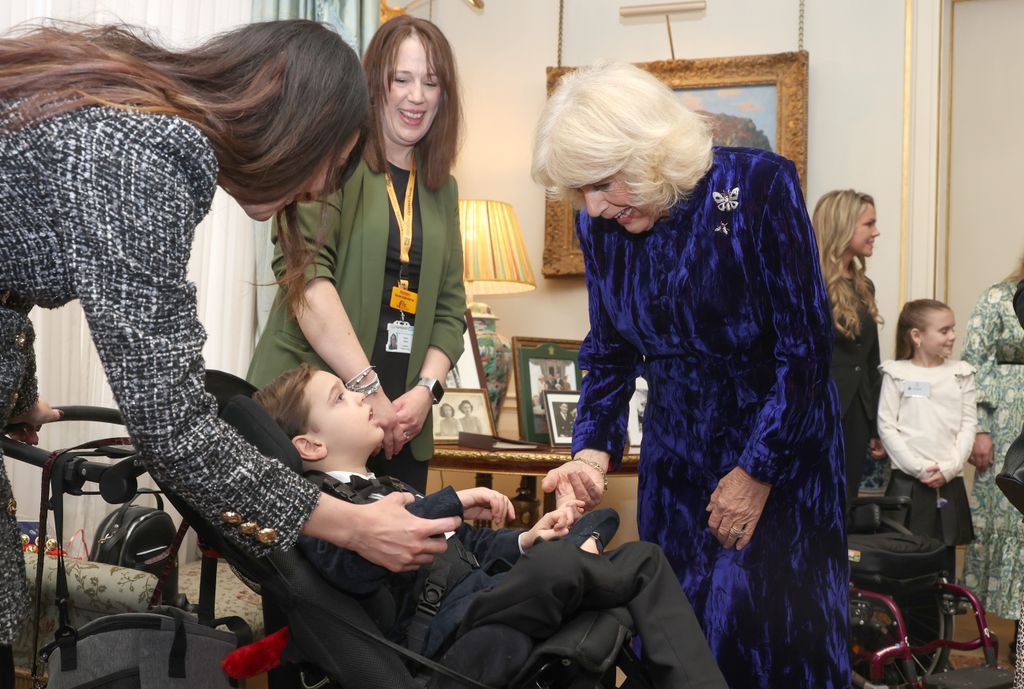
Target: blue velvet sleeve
x,y
801,403
611,365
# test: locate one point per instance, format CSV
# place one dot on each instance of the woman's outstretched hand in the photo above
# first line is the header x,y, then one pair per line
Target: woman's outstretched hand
x,y
586,481
27,425
383,532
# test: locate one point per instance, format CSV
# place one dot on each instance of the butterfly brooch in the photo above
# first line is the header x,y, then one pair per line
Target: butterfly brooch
x,y
722,228
729,201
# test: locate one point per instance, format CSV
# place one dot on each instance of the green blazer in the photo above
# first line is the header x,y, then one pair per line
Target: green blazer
x,y
353,257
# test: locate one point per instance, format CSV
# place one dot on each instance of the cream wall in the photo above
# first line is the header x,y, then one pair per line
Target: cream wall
x,y
854,139
986,233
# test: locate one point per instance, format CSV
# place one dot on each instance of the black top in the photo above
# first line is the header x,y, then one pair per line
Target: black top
x,y
855,364
393,367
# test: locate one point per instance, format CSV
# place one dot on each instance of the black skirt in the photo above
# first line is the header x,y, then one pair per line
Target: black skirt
x,y
950,524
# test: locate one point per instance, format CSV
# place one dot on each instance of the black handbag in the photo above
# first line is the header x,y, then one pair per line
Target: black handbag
x,y
1011,479
138,537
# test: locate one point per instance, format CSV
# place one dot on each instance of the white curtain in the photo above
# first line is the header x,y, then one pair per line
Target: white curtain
x,y
222,264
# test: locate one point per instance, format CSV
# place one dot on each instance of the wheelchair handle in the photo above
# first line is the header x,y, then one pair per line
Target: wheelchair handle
x,y
88,413
117,482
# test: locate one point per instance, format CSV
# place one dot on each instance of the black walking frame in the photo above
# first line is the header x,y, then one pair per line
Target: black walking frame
x,y
903,605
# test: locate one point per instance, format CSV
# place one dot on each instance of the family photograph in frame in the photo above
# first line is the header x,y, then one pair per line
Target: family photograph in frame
x,y
540,367
757,101
462,410
560,411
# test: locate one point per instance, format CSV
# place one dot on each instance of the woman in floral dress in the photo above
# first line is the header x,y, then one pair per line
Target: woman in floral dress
x,y
993,566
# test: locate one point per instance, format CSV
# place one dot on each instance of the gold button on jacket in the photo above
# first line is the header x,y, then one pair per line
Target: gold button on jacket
x,y
232,518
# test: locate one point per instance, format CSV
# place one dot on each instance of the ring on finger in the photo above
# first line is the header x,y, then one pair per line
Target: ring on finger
x,y
405,434
738,533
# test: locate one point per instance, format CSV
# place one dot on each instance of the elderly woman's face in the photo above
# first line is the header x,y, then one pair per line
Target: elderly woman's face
x,y
611,199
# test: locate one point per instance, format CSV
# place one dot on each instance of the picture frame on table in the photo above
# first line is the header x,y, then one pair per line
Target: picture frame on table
x,y
635,420
560,411
756,101
462,409
541,366
468,371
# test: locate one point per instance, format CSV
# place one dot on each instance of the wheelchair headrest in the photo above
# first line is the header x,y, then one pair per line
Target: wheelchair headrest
x,y
260,429
224,386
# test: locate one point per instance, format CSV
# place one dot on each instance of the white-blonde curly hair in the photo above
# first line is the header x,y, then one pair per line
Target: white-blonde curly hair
x,y
614,119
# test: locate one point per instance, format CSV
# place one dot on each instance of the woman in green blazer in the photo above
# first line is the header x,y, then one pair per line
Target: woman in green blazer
x,y
392,230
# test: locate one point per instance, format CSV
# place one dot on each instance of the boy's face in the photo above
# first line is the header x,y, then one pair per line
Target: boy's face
x,y
339,419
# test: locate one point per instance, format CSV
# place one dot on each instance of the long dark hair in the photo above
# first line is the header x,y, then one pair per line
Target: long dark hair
x,y
275,99
440,145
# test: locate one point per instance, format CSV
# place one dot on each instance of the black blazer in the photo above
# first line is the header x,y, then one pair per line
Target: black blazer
x,y
855,367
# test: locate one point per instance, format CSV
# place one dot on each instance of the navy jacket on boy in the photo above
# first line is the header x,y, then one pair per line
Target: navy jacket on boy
x,y
494,549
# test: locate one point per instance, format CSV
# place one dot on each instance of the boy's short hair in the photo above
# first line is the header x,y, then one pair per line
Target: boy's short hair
x,y
285,400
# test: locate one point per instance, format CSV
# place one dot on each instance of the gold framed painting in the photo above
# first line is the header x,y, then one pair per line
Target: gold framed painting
x,y
758,101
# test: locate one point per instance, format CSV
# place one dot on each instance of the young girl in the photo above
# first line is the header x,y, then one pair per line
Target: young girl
x,y
927,421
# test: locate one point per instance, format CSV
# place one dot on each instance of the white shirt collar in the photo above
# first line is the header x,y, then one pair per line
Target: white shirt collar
x,y
346,476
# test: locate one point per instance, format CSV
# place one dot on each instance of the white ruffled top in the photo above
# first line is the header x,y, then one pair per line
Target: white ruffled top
x,y
927,416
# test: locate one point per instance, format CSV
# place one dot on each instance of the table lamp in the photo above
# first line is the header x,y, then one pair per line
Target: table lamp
x,y
495,262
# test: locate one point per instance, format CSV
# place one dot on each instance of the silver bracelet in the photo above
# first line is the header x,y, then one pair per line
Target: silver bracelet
x,y
355,381
368,389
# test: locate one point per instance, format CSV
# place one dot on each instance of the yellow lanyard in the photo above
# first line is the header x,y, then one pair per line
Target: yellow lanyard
x,y
404,219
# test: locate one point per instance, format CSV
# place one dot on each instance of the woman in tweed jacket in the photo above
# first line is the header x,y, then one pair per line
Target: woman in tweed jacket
x,y
110,150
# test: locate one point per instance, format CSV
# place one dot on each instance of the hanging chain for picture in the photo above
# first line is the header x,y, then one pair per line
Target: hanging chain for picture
x,y
561,20
800,28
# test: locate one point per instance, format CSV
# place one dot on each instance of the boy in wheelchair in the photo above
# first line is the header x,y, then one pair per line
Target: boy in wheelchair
x,y
493,589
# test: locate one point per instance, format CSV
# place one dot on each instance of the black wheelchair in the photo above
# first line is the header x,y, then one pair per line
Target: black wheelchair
x,y
903,608
334,639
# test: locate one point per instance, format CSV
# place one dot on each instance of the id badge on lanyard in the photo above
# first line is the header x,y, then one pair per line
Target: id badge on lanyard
x,y
399,337
403,299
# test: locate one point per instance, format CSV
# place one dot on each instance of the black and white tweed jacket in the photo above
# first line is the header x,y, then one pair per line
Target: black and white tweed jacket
x,y
101,205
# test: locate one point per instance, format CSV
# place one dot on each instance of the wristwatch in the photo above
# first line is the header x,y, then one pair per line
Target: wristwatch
x,y
432,384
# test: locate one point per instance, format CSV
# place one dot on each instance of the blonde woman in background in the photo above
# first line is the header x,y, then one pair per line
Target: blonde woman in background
x,y
846,228
993,566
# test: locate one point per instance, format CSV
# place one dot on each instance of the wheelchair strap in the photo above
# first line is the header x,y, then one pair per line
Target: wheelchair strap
x,y
51,496
447,568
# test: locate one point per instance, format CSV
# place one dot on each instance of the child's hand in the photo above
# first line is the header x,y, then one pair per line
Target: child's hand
x,y
933,478
565,496
484,503
554,524
877,449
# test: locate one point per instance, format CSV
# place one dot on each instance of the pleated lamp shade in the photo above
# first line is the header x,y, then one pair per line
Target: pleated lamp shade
x,y
492,248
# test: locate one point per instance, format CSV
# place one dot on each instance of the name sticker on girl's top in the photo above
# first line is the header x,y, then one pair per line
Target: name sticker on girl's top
x,y
917,388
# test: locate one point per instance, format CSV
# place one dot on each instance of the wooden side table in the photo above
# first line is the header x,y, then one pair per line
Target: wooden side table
x,y
517,462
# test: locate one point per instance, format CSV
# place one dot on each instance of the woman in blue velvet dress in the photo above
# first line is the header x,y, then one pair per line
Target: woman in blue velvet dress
x,y
703,277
